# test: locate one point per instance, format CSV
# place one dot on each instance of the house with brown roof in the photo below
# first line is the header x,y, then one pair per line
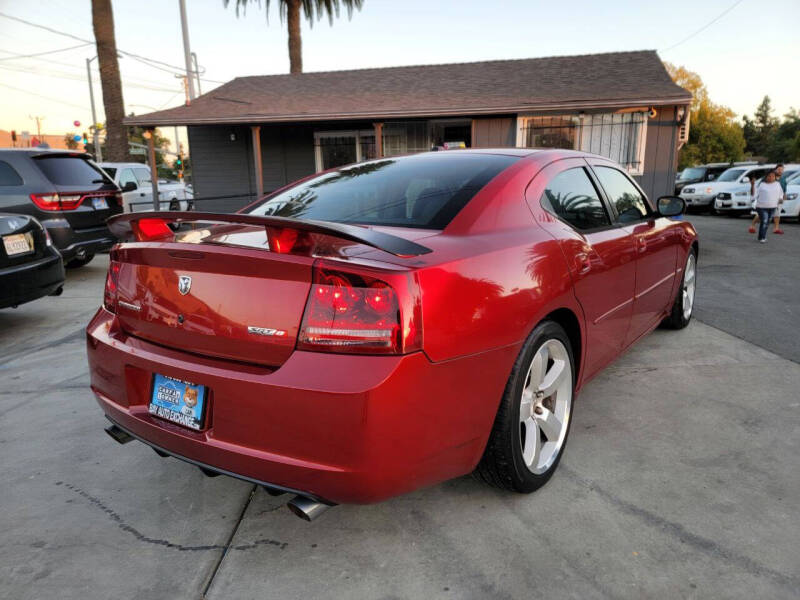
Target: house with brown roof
x,y
255,134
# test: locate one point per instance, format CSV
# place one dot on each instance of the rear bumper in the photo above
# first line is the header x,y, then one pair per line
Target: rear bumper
x,y
30,281
342,429
74,243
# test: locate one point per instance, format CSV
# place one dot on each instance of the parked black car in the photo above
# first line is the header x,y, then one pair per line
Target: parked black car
x,y
30,265
70,195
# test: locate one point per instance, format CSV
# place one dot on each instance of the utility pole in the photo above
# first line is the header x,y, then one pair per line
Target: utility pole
x,y
187,53
38,126
197,73
95,138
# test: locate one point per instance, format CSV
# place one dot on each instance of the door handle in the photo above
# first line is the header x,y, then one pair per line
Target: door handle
x,y
583,264
642,243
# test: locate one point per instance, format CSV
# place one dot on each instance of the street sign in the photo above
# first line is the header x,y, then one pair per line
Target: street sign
x,y
135,150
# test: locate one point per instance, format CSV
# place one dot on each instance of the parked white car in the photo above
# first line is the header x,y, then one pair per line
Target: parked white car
x,y
791,205
732,181
737,200
137,189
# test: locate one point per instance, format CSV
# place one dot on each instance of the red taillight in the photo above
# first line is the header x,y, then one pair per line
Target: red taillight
x,y
147,230
358,313
112,281
57,201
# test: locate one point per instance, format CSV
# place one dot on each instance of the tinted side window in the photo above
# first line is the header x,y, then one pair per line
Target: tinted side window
x,y
572,197
628,201
8,176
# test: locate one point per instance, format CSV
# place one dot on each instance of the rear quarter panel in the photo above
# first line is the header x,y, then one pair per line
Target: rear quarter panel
x,y
500,273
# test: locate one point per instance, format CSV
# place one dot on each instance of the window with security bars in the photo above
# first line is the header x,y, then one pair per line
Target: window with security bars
x,y
618,136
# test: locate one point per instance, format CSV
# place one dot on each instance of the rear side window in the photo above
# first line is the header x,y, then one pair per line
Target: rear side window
x,y
572,197
425,190
70,170
627,200
143,176
126,176
8,176
111,171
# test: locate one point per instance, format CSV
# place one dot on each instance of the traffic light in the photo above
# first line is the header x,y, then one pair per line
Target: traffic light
x,y
179,165
13,135
85,138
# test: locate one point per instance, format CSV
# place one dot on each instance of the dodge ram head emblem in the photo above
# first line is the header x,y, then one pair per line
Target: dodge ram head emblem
x,y
184,284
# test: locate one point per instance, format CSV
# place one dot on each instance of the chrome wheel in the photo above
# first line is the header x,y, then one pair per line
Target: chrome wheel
x,y
689,286
545,406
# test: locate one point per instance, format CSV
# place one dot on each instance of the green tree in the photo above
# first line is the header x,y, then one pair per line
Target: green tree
x,y
784,141
70,141
760,131
290,12
714,134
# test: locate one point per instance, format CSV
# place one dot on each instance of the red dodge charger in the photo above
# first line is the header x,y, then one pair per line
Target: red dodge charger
x,y
387,325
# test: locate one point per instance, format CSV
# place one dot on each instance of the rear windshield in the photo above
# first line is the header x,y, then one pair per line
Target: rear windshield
x,y
70,170
425,190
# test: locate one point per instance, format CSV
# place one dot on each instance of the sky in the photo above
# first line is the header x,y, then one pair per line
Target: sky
x,y
740,52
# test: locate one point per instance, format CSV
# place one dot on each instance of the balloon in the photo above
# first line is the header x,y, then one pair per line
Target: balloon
x,y
77,138
76,123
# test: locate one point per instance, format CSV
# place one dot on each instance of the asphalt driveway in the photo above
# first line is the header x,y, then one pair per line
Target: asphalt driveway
x,y
680,479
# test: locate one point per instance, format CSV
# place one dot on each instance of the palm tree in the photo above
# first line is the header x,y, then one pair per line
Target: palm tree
x,y
290,12
116,135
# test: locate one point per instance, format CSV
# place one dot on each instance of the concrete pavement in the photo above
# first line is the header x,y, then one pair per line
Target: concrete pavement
x,y
748,289
680,479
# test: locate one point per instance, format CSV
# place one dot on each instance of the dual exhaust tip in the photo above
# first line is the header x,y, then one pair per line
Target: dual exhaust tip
x,y
302,506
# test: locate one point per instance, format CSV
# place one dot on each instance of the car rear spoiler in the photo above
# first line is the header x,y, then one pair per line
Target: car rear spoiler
x,y
121,226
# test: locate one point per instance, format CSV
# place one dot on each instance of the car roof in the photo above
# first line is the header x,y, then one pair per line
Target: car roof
x,y
122,165
46,151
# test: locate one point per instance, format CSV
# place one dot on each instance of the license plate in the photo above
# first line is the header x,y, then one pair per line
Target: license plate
x,y
99,203
19,243
178,401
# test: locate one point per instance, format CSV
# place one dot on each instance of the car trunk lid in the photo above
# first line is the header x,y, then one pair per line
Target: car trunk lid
x,y
228,285
227,302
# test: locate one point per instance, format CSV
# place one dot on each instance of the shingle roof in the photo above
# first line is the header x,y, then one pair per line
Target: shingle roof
x,y
587,81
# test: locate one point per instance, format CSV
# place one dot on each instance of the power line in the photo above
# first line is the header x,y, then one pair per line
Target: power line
x,y
75,77
16,56
75,37
81,68
706,26
11,87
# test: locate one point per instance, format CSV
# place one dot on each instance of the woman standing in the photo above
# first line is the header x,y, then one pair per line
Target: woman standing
x,y
768,196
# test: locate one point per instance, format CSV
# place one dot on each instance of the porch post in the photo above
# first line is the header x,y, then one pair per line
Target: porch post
x,y
150,134
255,130
378,139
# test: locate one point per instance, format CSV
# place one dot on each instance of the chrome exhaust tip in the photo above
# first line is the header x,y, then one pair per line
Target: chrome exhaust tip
x,y
118,435
306,508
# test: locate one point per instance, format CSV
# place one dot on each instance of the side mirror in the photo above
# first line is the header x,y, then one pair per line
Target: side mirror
x,y
671,206
712,177
129,187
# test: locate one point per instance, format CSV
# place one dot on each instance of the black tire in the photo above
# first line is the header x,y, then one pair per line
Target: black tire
x,y
77,263
502,464
677,318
